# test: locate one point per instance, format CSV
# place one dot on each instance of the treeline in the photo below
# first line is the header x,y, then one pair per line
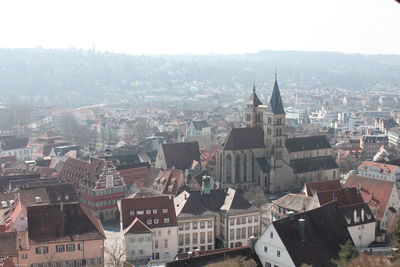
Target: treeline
x,y
86,76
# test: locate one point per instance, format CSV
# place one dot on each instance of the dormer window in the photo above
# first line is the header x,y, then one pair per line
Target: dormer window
x,y
165,210
132,213
148,221
148,211
155,221
140,212
166,220
154,211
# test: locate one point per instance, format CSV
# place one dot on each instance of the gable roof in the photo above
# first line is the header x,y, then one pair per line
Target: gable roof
x,y
77,170
186,206
137,227
313,164
14,143
62,222
361,211
375,192
131,206
306,143
325,231
294,202
181,155
312,187
342,196
244,138
275,104
169,180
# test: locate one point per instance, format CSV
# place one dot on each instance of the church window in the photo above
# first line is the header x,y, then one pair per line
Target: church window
x,y
245,167
237,168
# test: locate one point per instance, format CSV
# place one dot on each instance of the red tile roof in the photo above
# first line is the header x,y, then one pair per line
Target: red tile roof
x,y
375,192
181,155
343,196
136,175
383,167
312,187
143,208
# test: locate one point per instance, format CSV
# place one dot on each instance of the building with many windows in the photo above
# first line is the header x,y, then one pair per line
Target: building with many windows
x,y
99,185
157,214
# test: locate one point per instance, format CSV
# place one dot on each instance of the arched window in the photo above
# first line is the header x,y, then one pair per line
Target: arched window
x,y
228,168
237,168
245,168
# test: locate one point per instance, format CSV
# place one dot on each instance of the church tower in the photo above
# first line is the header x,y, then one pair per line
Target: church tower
x,y
274,126
253,114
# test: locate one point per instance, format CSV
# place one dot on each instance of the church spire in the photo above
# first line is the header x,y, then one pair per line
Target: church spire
x,y
254,101
276,104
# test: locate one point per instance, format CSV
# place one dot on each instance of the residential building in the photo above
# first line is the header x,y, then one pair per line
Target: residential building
x,y
394,136
99,185
156,213
381,196
138,241
379,170
61,234
17,147
198,129
288,205
168,182
312,237
370,144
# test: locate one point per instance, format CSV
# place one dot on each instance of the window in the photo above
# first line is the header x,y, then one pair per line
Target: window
x,y
60,248
209,237
265,249
148,211
202,225
140,251
180,226
202,237
256,230
249,231
194,225
243,232
140,212
187,226
71,247
243,220
256,218
195,238
278,253
238,220
166,243
169,231
209,247
232,234
165,210
24,256
231,222
209,224
250,219
187,239
238,235
180,240
42,250
267,264
154,211
271,234
156,244
155,221
148,221
166,220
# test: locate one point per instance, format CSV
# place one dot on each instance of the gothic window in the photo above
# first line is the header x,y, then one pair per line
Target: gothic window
x,y
237,168
245,167
228,166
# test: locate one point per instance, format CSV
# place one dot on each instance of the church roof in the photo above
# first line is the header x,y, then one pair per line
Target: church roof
x,y
254,100
313,164
307,143
245,138
276,104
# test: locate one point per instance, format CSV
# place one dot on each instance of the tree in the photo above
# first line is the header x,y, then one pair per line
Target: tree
x,y
235,262
115,254
396,243
347,164
347,252
256,195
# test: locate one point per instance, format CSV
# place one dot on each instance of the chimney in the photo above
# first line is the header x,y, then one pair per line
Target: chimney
x,y
302,229
38,199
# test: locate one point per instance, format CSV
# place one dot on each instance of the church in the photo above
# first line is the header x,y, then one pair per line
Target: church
x,y
261,154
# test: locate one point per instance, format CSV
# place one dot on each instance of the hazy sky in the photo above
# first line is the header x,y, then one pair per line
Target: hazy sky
x,y
203,26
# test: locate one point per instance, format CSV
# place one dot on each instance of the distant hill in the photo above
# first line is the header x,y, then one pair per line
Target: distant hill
x,y
87,77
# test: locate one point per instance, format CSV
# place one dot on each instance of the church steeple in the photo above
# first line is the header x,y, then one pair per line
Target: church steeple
x,y
254,101
276,104
253,115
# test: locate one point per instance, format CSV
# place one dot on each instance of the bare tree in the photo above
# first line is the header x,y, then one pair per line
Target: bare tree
x,y
256,195
115,254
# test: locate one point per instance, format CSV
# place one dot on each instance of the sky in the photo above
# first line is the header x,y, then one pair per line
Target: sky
x,y
203,26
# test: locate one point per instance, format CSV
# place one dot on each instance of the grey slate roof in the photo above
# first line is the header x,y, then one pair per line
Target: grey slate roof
x,y
276,104
325,231
244,138
254,100
307,143
313,164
